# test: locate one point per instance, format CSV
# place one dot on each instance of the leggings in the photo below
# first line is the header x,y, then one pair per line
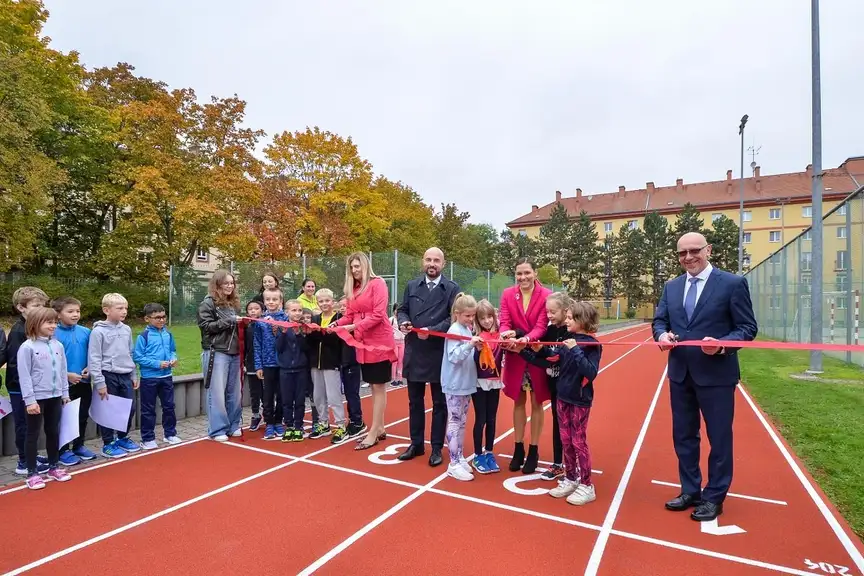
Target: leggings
x,y
557,448
50,410
485,414
574,425
457,416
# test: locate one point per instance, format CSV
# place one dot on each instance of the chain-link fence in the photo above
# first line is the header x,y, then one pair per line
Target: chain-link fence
x,y
780,286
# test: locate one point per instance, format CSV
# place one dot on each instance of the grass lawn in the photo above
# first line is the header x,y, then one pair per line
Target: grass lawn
x,y
822,421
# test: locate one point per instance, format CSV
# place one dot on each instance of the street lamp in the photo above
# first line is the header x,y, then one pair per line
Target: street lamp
x,y
741,207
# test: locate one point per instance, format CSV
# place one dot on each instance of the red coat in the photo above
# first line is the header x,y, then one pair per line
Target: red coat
x,y
371,319
533,323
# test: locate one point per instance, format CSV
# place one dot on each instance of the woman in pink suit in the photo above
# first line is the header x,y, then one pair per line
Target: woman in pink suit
x,y
523,314
366,316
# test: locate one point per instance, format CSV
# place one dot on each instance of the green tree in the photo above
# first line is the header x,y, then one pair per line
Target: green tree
x,y
554,245
658,255
585,267
412,222
723,238
629,259
510,248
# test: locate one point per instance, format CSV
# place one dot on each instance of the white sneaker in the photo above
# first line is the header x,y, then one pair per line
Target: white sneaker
x,y
465,466
459,473
149,445
582,495
565,488
173,439
221,438
237,433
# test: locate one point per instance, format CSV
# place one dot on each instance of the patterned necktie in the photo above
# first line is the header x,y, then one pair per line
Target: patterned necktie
x,y
690,299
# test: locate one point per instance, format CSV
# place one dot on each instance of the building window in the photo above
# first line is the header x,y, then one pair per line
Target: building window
x,y
633,224
842,210
523,233
775,280
774,236
806,211
715,216
774,303
745,262
842,260
841,283
747,237
774,214
807,235
840,302
806,261
202,255
607,227
748,216
841,232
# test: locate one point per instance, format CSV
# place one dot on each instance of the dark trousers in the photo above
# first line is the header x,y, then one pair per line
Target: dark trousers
x,y
118,385
485,415
83,391
557,447
256,391
717,405
50,411
293,386
309,389
351,380
19,417
417,414
163,388
273,397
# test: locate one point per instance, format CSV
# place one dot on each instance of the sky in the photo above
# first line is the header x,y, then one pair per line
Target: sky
x,y
495,105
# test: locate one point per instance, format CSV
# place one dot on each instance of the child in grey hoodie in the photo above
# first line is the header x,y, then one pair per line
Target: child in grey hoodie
x,y
44,389
112,370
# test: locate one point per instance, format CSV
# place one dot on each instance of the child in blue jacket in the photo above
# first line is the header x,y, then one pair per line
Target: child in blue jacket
x,y
292,353
266,363
156,354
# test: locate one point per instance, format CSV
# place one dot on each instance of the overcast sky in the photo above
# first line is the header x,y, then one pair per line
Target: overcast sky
x,y
494,105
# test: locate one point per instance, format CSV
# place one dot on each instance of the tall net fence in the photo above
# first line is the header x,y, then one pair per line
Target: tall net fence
x,y
189,286
781,285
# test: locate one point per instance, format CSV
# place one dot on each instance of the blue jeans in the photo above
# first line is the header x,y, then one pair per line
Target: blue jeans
x,y
224,407
164,389
118,385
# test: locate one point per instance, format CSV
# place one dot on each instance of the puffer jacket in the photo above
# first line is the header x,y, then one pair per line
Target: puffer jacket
x,y
264,341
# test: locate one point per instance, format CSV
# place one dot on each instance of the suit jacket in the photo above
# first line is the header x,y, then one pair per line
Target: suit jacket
x,y
724,311
425,309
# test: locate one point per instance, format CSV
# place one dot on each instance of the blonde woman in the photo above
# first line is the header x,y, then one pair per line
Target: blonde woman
x,y
220,359
367,318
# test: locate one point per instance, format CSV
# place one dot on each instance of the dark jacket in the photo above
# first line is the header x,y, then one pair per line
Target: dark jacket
x,y
426,309
488,374
292,350
249,348
264,341
218,327
10,354
553,334
325,350
577,369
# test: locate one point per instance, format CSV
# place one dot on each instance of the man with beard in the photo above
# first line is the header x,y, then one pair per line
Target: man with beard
x,y
427,303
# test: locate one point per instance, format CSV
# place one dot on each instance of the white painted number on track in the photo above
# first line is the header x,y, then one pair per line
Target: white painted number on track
x,y
826,567
512,484
713,527
392,450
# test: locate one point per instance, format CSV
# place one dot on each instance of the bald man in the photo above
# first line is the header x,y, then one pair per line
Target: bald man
x,y
708,304
427,303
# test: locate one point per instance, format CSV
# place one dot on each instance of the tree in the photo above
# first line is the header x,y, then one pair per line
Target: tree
x,y
510,248
629,267
554,245
325,189
585,267
723,238
657,254
412,221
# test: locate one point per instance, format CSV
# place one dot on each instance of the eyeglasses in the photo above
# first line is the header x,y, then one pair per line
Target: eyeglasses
x,y
691,251
158,318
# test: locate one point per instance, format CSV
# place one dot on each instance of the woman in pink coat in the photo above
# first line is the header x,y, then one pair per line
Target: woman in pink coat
x,y
523,314
366,316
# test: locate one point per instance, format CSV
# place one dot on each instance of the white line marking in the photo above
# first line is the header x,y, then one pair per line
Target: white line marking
x,y
850,547
732,494
107,462
410,498
603,537
510,457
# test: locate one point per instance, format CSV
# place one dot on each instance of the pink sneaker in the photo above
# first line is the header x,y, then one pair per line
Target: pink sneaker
x,y
59,475
35,482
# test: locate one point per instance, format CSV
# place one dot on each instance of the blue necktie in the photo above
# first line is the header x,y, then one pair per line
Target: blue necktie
x,y
690,299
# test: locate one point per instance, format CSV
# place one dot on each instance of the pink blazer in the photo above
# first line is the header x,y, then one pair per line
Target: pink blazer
x,y
371,319
533,323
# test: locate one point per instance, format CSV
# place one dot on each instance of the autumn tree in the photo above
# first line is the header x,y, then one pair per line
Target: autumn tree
x,y
586,265
723,237
412,221
321,196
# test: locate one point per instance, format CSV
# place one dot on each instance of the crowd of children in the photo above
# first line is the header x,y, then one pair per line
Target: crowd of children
x,y
53,360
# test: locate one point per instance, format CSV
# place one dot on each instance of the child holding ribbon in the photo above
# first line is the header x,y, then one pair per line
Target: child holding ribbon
x,y
488,391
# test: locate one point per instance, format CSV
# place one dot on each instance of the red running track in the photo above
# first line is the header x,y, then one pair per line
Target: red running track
x,y
317,508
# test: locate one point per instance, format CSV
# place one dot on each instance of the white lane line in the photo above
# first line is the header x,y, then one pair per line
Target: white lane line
x,y
510,457
732,494
603,537
425,488
854,554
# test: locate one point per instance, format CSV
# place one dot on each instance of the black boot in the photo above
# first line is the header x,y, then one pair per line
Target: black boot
x,y
531,461
518,457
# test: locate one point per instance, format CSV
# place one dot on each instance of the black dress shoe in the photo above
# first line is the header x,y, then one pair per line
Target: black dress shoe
x,y
410,453
435,458
683,502
706,511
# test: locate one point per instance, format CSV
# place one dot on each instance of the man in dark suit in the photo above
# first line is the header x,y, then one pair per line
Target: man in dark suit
x,y
714,306
427,303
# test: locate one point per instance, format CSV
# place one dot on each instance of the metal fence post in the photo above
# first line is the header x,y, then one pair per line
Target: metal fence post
x,y
489,285
451,270
304,268
170,292
849,277
395,276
